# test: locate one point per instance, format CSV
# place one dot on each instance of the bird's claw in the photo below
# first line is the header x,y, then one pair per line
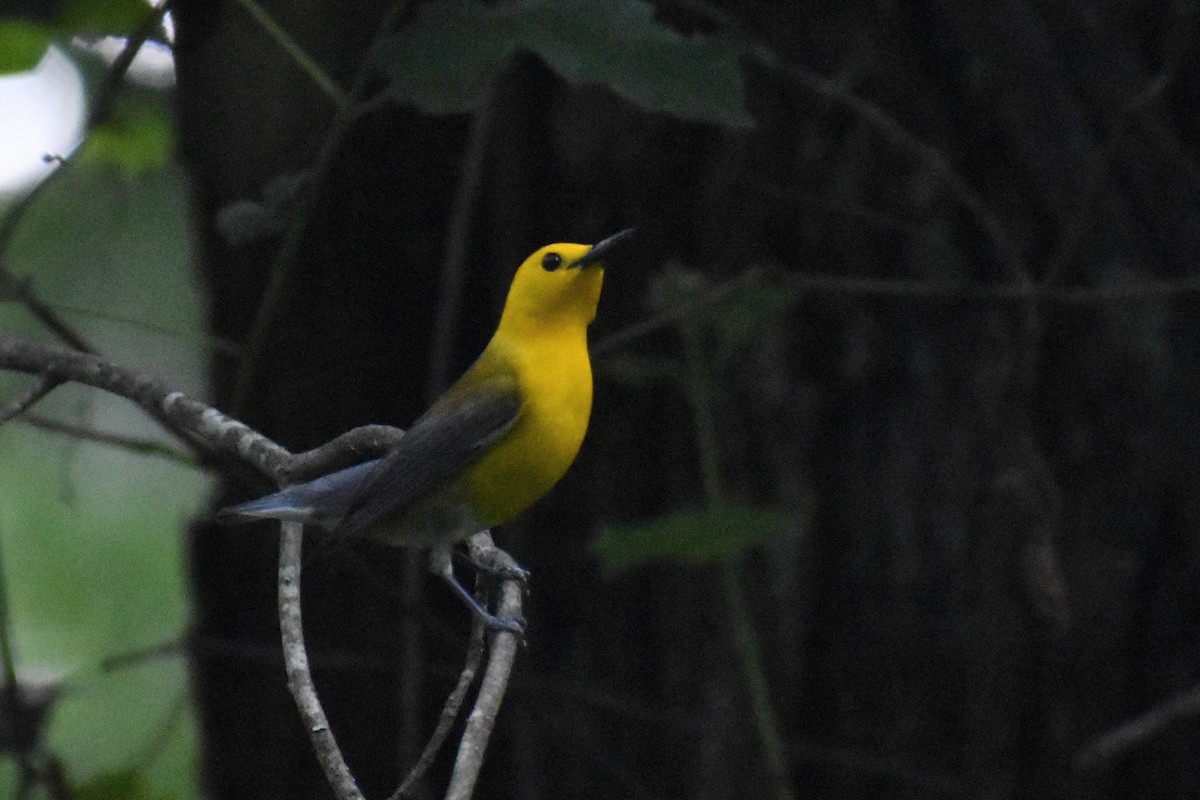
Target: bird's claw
x,y
495,571
513,573
499,623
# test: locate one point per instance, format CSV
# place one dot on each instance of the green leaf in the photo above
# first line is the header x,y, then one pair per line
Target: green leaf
x,y
110,17
138,139
620,46
705,536
22,44
444,59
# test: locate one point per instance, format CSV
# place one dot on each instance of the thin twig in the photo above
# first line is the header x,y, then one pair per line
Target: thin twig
x,y
1076,229
106,94
134,444
216,344
283,268
885,125
900,289
952,292
299,56
502,655
1128,735
352,447
299,677
194,422
745,644
8,660
41,386
453,273
450,710
172,648
670,316
49,318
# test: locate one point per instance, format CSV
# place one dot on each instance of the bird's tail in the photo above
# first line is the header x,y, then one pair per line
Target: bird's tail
x,y
279,506
322,501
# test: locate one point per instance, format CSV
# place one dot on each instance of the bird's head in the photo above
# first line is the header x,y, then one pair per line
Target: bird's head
x,y
560,283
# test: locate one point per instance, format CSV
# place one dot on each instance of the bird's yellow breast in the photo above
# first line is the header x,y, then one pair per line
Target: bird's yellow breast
x,y
554,377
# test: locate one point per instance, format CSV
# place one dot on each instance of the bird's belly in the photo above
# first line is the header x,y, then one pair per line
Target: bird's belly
x,y
539,448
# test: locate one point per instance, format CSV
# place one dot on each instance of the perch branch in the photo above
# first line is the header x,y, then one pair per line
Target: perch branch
x,y
501,656
213,432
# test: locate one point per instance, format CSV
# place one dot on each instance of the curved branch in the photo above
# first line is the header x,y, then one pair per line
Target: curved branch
x,y
449,713
345,450
214,432
501,656
197,423
295,660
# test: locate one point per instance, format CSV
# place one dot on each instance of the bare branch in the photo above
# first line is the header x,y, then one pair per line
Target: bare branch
x,y
283,267
213,431
348,449
678,311
501,656
1136,731
134,444
41,386
898,288
449,713
453,273
295,660
196,422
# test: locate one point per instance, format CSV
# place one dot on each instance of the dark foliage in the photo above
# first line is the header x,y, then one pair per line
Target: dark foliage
x,y
998,566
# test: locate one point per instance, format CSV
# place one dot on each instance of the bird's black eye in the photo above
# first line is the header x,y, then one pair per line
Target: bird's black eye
x,y
551,262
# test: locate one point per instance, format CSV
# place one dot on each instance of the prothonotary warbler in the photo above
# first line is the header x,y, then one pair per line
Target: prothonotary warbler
x,y
495,442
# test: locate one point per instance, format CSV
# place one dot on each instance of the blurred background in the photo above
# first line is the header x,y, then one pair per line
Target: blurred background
x,y
888,491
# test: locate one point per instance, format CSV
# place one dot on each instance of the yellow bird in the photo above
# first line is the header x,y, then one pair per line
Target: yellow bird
x,y
495,442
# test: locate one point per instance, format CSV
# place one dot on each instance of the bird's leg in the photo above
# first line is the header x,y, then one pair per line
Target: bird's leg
x,y
441,564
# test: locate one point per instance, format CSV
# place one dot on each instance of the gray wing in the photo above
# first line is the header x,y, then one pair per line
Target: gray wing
x,y
446,440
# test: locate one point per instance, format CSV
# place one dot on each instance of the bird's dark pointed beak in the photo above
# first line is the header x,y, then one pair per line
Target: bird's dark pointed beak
x,y
602,249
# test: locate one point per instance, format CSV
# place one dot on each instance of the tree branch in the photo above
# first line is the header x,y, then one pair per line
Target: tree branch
x,y
1128,735
42,385
449,713
295,660
134,444
213,432
501,656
